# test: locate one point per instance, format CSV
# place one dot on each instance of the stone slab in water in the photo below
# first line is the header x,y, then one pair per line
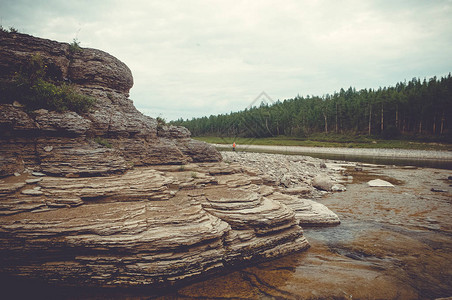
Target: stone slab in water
x,y
379,183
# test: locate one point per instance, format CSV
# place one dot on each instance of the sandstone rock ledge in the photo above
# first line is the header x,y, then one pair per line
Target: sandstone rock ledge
x,y
148,227
111,138
296,180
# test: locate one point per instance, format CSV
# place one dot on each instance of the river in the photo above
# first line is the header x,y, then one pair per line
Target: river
x,y
393,243
400,157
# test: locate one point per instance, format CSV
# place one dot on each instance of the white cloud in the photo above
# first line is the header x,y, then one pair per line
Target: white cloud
x,y
207,57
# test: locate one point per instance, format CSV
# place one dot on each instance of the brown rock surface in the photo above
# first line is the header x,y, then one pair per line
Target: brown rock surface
x,y
126,136
149,226
92,67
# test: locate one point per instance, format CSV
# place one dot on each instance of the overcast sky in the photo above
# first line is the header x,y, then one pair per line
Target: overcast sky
x,y
197,58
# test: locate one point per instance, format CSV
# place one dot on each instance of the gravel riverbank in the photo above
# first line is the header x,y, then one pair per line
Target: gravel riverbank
x,y
374,152
291,171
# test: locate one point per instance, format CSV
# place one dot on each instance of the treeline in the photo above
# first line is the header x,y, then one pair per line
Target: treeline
x,y
414,107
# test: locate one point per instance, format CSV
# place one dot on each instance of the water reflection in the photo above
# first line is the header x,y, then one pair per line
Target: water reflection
x,y
393,243
428,162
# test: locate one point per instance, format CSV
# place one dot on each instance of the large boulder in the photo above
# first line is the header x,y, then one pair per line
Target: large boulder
x,y
324,183
92,67
85,67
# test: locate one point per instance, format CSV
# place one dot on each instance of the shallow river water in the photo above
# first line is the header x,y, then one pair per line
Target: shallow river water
x,y
399,157
393,243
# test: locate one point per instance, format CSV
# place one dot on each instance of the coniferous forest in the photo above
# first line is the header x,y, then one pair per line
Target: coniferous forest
x,y
417,107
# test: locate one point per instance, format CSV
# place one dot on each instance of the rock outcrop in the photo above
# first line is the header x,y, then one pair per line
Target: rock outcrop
x,y
112,198
296,183
148,227
379,183
114,134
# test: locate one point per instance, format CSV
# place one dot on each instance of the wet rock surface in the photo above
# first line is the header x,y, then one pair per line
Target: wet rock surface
x,y
393,243
151,226
379,183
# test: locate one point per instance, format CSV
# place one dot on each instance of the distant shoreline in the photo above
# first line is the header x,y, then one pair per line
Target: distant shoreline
x,y
380,152
333,141
402,157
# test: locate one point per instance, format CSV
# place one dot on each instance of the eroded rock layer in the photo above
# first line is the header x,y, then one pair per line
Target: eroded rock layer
x,y
110,138
149,226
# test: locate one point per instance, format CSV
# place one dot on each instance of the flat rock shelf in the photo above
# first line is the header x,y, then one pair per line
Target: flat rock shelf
x,y
155,226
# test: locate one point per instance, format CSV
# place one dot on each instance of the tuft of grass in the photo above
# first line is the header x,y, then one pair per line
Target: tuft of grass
x,y
74,47
10,30
103,142
60,98
161,122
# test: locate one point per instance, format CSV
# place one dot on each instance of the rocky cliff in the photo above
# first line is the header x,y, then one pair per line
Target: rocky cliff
x,y
64,143
112,198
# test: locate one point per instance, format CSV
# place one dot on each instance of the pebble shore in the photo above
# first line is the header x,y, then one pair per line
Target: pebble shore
x,y
372,152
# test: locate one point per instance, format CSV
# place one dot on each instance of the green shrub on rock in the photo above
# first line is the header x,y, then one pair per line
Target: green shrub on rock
x,y
34,87
103,142
74,47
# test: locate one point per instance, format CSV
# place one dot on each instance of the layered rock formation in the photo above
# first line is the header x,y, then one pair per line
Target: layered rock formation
x,y
112,198
150,226
54,142
297,180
